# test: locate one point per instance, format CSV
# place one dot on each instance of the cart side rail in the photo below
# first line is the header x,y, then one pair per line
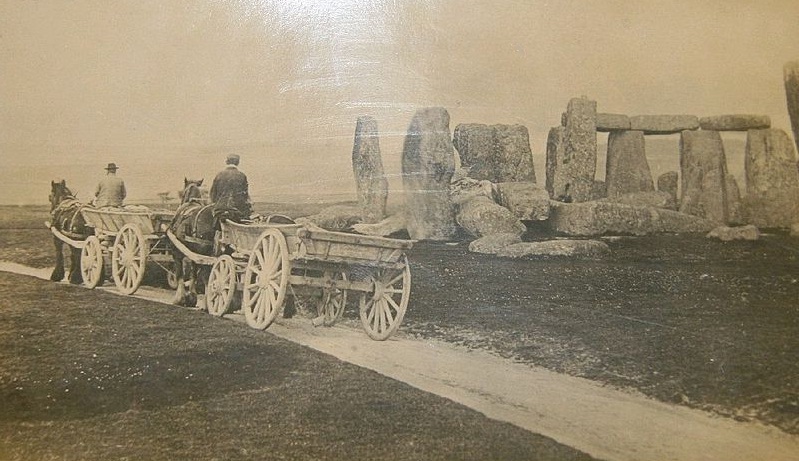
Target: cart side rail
x,y
107,220
243,237
358,249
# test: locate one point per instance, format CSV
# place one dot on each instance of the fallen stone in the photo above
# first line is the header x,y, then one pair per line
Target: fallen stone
x,y
772,179
791,74
704,176
609,218
612,122
664,124
626,169
465,188
367,166
525,200
726,234
578,248
335,218
481,216
575,174
735,122
388,226
492,244
656,199
668,182
428,162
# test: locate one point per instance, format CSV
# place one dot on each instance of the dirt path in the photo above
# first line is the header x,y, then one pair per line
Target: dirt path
x,y
603,422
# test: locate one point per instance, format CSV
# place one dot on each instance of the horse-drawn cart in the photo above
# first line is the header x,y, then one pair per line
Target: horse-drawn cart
x,y
131,238
266,261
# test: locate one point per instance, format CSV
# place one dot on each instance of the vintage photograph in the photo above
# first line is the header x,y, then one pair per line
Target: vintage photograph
x,y
399,230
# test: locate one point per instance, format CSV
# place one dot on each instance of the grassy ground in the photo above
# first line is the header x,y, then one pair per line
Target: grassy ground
x,y
681,318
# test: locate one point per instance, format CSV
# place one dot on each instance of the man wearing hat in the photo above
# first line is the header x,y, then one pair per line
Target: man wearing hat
x,y
111,189
230,192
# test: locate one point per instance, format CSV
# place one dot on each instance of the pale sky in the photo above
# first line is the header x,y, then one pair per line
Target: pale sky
x,y
166,88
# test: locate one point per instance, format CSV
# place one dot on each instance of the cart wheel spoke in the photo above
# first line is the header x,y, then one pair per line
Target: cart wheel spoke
x,y
91,262
129,257
221,286
266,279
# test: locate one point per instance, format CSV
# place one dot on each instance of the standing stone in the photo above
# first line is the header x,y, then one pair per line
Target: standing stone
x,y
735,213
772,180
367,165
496,153
627,170
428,162
554,158
703,168
667,182
574,176
791,74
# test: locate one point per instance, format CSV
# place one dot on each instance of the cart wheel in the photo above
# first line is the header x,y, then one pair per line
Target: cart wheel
x,y
333,299
383,309
91,262
221,286
266,279
171,278
128,258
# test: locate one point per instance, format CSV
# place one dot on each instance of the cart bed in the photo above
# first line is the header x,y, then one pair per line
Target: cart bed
x,y
110,221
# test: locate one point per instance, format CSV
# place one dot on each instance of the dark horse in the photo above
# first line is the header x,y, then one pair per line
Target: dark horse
x,y
194,226
65,216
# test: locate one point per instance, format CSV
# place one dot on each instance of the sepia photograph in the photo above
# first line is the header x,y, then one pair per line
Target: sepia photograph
x,y
399,230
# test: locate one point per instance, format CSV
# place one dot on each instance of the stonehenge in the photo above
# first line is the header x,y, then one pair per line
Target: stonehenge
x,y
367,166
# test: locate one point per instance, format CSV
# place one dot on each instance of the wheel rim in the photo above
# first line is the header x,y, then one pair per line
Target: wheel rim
x,y
266,279
221,286
128,259
171,279
333,299
91,262
382,310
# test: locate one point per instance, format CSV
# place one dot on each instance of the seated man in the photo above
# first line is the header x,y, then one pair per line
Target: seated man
x,y
111,189
230,192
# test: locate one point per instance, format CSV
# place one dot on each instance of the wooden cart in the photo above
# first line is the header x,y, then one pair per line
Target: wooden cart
x,y
264,262
130,239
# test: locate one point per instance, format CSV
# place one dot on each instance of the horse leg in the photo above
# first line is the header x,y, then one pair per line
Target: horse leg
x,y
58,270
180,291
75,277
191,293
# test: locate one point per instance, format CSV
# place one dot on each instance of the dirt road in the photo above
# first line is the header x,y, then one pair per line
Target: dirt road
x,y
603,422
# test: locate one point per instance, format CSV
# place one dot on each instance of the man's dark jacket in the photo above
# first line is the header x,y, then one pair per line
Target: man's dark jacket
x,y
230,191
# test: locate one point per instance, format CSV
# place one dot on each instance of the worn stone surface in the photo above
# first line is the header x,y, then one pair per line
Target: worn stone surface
x,y
795,229
335,218
388,226
464,188
525,200
735,122
609,218
791,75
664,124
727,234
626,169
668,182
612,122
428,162
657,199
772,179
367,166
574,248
554,158
492,244
495,153
574,176
735,213
703,168
481,216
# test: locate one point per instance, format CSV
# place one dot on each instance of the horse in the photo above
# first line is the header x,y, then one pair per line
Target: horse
x,y
66,217
194,226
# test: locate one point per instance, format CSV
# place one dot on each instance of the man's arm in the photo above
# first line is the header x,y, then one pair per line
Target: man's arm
x,y
123,191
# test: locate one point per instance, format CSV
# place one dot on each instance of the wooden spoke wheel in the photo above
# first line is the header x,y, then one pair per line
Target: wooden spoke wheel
x,y
333,298
221,286
128,259
266,279
382,310
91,262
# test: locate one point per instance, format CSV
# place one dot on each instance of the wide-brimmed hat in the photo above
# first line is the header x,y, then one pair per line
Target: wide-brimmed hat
x,y
112,167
